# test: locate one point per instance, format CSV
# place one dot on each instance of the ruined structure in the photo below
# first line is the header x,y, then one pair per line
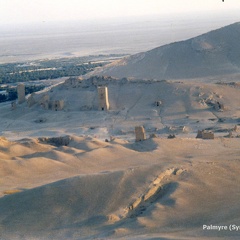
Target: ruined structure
x,y
31,101
205,134
13,105
56,105
56,141
236,128
44,101
72,82
103,98
158,103
219,106
153,135
140,133
21,93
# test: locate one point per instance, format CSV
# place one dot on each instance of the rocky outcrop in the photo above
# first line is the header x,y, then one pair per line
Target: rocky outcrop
x,y
56,141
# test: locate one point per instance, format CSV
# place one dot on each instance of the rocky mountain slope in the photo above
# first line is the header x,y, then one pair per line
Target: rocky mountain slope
x,y
212,54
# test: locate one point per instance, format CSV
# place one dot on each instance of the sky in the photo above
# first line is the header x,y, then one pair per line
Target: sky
x,y
36,11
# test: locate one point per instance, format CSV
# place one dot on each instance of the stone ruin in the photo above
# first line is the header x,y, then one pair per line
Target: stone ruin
x,y
21,93
219,106
177,129
31,100
103,98
72,82
13,105
158,103
153,135
44,101
140,133
234,132
205,134
56,105
171,136
236,128
56,141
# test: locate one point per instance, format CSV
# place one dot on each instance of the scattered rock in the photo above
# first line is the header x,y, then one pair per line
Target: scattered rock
x,y
56,141
40,120
236,128
158,103
13,105
112,138
153,135
205,134
140,133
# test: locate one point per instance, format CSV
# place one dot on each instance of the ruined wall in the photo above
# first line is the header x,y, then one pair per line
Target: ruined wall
x,y
56,105
72,82
31,100
205,134
44,101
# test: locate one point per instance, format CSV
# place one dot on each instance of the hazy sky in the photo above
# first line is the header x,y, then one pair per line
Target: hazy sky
x,y
32,11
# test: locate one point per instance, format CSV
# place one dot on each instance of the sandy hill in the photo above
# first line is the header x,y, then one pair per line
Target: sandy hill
x,y
60,179
90,189
212,54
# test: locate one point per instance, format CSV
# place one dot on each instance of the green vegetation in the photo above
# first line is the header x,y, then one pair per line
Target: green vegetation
x,y
51,69
47,69
12,73
10,93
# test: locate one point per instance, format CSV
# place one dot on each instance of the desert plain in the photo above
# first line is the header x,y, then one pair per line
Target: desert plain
x,y
78,173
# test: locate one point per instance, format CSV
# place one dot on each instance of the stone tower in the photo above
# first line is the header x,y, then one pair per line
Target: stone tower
x,y
103,98
140,133
21,93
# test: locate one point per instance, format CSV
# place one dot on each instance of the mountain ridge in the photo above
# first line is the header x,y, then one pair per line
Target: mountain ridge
x,y
213,53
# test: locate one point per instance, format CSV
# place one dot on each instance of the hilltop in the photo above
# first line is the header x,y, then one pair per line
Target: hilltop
x,y
215,53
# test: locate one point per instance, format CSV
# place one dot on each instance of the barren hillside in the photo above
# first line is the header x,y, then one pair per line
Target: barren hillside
x,y
71,169
162,107
90,189
215,53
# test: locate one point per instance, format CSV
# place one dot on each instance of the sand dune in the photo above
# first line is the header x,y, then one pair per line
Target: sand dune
x,y
77,172
182,185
